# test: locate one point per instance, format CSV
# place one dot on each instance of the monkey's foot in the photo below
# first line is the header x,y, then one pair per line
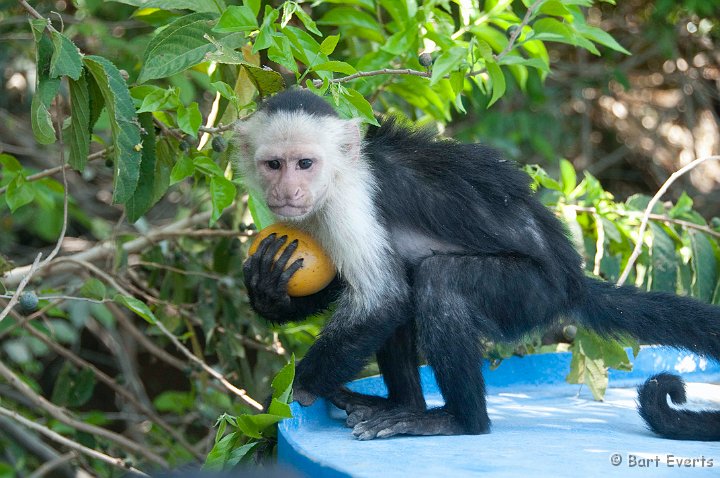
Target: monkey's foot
x,y
402,421
360,407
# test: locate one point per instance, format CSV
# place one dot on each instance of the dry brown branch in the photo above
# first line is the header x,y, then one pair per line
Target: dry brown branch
x,y
108,248
648,211
117,462
63,416
52,171
654,217
119,389
179,345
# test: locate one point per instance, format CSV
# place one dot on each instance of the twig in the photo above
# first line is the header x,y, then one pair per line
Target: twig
x,y
648,210
51,171
654,217
39,265
108,248
61,415
179,345
119,389
117,462
51,465
14,299
427,74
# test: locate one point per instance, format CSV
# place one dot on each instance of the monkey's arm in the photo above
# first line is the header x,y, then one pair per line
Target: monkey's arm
x,y
266,281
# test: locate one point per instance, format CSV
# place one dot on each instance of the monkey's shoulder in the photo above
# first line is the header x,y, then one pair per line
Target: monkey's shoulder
x,y
421,159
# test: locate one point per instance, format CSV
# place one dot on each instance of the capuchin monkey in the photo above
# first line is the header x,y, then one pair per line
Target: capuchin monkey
x,y
439,247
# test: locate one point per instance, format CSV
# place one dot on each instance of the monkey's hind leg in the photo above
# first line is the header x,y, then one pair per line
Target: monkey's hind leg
x,y
448,333
398,361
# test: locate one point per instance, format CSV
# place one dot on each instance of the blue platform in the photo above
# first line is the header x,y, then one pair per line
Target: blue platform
x,y
542,426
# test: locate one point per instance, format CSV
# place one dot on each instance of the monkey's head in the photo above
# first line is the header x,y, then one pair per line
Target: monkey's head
x,y
292,150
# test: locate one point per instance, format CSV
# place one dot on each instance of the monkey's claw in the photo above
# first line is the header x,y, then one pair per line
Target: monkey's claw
x,y
382,426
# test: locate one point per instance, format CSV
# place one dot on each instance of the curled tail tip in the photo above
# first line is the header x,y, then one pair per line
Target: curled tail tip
x,y
654,391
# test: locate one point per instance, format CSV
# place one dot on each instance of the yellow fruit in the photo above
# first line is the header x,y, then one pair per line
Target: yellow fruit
x,y
317,270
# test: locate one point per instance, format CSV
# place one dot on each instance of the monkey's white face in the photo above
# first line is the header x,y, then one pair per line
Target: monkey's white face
x,y
292,177
292,158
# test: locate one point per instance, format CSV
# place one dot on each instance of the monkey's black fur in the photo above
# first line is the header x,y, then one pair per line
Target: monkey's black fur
x,y
512,270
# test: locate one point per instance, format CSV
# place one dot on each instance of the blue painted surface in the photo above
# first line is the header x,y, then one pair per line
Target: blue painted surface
x,y
542,426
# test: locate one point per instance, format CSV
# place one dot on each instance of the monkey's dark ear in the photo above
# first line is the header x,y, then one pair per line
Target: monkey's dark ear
x,y
353,138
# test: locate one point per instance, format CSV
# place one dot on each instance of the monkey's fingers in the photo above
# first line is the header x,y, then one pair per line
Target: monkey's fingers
x,y
284,258
287,274
267,258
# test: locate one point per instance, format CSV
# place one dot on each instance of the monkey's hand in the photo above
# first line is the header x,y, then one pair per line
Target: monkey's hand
x,y
303,397
266,279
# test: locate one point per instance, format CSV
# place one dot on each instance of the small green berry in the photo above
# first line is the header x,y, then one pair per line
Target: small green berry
x,y
425,60
28,302
219,144
184,146
570,332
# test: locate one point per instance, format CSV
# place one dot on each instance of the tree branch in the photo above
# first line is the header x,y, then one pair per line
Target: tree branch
x,y
648,211
61,415
117,462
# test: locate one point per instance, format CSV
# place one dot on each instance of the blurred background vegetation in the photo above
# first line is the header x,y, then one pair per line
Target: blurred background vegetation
x,y
143,309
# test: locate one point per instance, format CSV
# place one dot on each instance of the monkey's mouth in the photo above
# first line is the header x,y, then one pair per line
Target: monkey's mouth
x,y
289,210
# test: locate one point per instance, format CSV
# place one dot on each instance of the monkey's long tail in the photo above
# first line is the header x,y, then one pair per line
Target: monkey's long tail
x,y
666,319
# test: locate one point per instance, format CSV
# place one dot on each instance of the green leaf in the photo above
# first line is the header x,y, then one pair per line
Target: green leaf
x,y
18,193
401,42
446,62
307,21
518,60
189,119
66,60
264,39
281,52
226,454
156,99
124,126
136,306
497,78
212,6
261,214
549,29
41,121
600,36
183,168
282,383
335,66
10,163
78,135
222,194
142,199
178,47
279,409
682,206
172,401
663,260
93,289
568,176
349,17
255,426
704,266
237,19
266,81
328,44
360,106
207,165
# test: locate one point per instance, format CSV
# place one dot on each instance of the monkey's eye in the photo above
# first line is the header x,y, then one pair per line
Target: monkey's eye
x,y
305,163
273,164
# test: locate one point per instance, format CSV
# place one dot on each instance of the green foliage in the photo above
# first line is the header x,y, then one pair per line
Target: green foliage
x,y
248,432
156,101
